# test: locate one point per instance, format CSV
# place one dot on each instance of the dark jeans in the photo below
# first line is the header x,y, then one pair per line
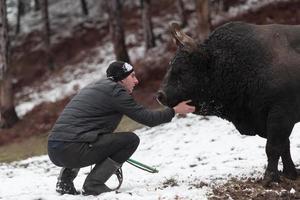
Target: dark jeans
x,y
117,146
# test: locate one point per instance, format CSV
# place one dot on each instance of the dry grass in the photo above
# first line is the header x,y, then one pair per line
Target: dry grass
x,y
33,146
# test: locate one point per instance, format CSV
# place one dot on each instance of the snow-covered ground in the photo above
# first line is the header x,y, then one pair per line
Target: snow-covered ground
x,y
187,152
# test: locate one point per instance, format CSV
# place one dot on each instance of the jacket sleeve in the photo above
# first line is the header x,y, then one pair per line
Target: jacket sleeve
x,y
124,103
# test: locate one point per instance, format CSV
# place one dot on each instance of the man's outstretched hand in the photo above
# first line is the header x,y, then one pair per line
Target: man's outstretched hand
x,y
184,108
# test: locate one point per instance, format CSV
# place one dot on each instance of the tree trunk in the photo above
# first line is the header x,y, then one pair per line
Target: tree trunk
x,y
202,9
20,12
8,114
117,31
147,24
37,5
84,8
181,12
49,57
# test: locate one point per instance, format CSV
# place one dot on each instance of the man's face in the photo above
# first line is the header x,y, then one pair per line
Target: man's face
x,y
130,82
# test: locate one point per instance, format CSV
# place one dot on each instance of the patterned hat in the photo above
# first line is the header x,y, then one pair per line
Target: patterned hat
x,y
118,70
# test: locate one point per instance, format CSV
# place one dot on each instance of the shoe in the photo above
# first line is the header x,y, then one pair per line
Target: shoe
x,y
66,188
65,183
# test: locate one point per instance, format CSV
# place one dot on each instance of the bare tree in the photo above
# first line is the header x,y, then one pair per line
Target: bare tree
x,y
37,5
50,60
21,12
84,8
117,30
181,12
147,24
202,9
8,114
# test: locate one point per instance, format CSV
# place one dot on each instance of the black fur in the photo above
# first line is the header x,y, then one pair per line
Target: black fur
x,y
249,75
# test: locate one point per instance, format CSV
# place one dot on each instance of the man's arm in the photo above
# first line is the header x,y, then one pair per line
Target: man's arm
x,y
125,104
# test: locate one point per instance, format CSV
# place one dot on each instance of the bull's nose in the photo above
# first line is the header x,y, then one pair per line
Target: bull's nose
x,y
161,97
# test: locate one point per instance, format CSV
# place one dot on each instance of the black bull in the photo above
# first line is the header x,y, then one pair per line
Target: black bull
x,y
245,73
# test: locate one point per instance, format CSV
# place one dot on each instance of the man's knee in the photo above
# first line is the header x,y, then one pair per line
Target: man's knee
x,y
136,139
133,139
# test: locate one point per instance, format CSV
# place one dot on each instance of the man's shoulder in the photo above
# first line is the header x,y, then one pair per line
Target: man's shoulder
x,y
104,83
107,86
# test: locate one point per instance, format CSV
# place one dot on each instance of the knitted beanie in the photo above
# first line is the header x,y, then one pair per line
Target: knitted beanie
x,y
118,70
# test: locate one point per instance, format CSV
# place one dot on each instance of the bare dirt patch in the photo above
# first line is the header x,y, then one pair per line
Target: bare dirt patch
x,y
253,189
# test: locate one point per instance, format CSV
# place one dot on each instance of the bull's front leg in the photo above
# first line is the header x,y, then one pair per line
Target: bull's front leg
x,y
279,127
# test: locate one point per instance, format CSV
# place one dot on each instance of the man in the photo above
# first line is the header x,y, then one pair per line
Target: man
x,y
83,133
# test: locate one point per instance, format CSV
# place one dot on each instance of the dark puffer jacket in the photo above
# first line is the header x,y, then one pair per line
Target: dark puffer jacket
x,y
98,109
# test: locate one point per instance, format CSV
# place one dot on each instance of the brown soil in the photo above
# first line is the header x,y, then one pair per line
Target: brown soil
x,y
253,189
38,121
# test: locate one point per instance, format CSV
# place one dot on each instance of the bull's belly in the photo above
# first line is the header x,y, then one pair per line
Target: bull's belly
x,y
251,126
250,131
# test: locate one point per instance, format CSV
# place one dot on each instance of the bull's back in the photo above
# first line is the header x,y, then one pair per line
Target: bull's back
x,y
282,43
265,59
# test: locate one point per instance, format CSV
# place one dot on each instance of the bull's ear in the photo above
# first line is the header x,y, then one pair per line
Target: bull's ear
x,y
181,38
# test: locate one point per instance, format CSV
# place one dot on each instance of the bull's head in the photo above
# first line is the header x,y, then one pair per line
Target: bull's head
x,y
187,76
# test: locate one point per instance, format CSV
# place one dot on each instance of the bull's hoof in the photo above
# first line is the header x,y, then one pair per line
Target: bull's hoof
x,y
290,174
269,178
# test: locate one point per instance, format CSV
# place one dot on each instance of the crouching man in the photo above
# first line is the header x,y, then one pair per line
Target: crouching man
x,y
83,133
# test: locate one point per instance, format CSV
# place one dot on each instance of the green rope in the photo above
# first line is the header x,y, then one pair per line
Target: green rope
x,y
142,166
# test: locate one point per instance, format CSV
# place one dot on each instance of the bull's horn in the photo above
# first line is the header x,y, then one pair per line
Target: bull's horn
x,y
182,38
